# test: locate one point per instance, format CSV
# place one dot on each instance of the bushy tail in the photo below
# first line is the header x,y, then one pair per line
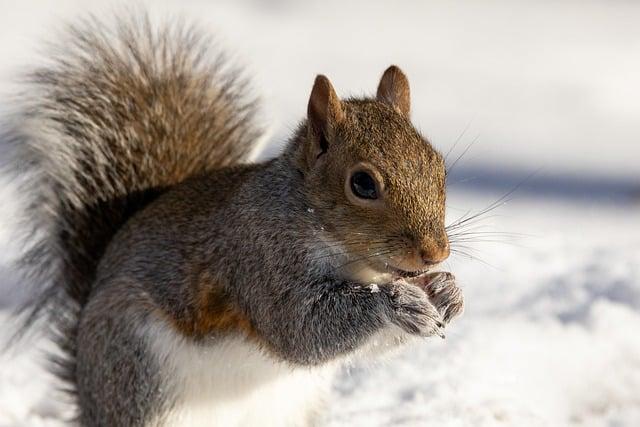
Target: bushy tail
x,y
117,115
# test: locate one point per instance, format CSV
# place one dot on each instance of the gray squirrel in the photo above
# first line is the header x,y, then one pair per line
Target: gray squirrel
x,y
185,285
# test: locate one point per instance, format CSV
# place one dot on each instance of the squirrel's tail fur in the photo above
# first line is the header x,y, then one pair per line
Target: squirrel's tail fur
x,y
118,114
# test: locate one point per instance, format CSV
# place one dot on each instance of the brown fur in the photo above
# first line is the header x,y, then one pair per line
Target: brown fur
x,y
213,313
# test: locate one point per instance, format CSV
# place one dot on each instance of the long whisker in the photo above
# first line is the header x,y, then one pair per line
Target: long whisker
x,y
346,251
496,204
450,168
386,251
466,128
473,258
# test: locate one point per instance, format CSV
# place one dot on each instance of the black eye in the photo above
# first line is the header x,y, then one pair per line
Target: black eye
x,y
363,186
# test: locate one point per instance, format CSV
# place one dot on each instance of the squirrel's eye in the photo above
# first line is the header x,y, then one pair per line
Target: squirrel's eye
x,y
363,185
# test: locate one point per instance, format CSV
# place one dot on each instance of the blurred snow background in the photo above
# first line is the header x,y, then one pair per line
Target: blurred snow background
x,y
550,335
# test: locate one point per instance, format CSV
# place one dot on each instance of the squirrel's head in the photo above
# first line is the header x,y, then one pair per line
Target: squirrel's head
x,y
374,183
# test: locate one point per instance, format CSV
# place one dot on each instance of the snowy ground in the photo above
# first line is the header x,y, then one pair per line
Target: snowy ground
x,y
549,336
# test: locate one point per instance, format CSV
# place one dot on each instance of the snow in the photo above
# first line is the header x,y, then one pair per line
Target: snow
x,y
552,309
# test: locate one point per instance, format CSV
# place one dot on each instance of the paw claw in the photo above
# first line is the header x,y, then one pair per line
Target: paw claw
x,y
443,293
415,313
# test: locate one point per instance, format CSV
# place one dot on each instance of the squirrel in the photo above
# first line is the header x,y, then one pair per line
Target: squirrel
x,y
187,285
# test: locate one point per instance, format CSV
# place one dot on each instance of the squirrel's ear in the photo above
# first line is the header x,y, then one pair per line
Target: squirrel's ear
x,y
324,111
394,90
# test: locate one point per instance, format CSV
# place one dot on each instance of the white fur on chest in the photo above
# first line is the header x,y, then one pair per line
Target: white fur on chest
x,y
230,382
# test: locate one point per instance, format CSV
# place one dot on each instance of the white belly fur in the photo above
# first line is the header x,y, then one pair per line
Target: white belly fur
x,y
231,382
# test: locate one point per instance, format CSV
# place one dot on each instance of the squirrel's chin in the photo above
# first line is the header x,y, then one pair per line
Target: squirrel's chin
x,y
369,274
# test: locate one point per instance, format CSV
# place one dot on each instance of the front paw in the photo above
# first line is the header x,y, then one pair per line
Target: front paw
x,y
413,312
443,293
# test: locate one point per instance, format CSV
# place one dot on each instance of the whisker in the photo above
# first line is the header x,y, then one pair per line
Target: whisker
x,y
450,168
474,258
457,140
499,202
345,252
386,251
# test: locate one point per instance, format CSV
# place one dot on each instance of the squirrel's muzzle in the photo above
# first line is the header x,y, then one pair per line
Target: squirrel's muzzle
x,y
434,253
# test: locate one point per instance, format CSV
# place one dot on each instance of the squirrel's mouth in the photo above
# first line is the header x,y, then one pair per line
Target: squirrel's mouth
x,y
399,273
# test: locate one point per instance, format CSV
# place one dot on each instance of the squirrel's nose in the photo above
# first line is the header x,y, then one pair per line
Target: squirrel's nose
x,y
434,253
